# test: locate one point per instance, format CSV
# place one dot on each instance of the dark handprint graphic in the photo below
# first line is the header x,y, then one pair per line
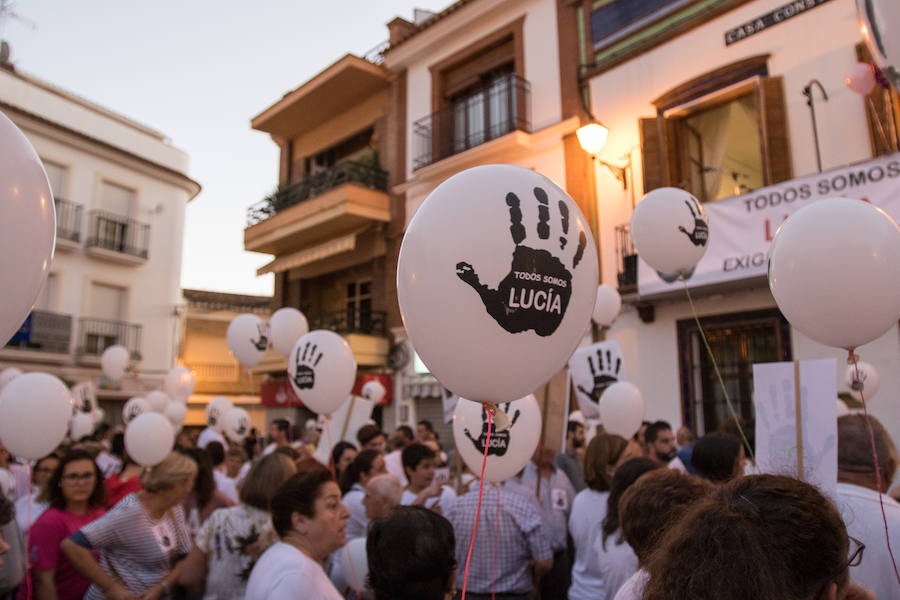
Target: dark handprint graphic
x,y
700,235
605,373
305,360
263,342
535,293
499,439
669,278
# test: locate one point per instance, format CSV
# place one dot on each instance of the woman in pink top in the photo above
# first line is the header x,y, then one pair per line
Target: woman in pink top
x,y
77,497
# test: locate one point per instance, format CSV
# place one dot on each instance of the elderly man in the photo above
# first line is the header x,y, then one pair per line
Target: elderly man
x,y
858,500
383,493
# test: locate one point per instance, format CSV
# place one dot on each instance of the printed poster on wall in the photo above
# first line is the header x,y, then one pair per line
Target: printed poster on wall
x,y
593,369
776,432
741,228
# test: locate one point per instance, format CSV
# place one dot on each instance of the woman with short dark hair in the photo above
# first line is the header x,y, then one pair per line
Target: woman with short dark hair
x,y
310,519
718,457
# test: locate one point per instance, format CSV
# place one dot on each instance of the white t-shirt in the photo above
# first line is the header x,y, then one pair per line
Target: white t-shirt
x,y
358,523
588,511
393,462
227,485
861,512
270,448
211,435
447,499
26,516
284,573
633,588
617,562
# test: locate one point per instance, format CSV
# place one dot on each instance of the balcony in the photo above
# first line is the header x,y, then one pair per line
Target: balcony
x,y
68,224
96,335
332,203
118,239
368,322
627,260
485,115
43,337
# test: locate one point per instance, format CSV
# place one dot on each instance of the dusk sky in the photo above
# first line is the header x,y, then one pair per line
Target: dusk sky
x,y
198,71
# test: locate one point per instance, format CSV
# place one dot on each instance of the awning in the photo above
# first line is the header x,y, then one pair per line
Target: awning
x,y
423,386
330,248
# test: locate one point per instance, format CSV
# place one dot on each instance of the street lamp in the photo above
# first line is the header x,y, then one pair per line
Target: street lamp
x,y
592,138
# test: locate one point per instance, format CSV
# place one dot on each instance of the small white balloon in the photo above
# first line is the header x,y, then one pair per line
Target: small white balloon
x,y
670,231
114,361
98,415
176,412
7,375
149,439
157,400
248,339
322,369
842,408
215,410
373,391
35,409
622,409
829,236
607,305
82,425
355,564
236,424
286,326
179,384
134,407
863,385
507,451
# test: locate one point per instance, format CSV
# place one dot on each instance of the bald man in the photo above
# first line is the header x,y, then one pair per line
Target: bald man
x,y
383,492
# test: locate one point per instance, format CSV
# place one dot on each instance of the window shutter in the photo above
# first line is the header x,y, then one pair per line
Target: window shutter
x,y
653,152
877,115
773,122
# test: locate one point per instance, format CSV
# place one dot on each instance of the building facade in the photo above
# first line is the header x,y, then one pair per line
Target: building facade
x,y
120,191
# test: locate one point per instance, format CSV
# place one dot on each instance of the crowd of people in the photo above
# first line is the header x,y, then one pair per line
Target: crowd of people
x,y
661,515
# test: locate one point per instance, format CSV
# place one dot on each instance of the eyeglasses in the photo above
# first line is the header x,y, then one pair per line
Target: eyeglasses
x,y
44,470
73,477
856,554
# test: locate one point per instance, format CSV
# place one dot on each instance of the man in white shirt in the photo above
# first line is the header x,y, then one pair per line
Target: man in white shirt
x,y
858,500
279,433
403,437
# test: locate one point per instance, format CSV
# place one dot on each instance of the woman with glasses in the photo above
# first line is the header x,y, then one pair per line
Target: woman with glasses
x,y
30,506
761,536
76,497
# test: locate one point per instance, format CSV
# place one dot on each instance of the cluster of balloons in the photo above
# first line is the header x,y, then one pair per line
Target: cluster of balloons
x,y
249,337
223,417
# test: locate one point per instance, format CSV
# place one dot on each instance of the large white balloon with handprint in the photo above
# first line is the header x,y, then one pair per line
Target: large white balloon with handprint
x,y
621,409
670,231
830,237
286,326
236,424
880,20
322,369
593,369
135,407
28,227
248,339
862,381
215,412
507,451
35,409
496,281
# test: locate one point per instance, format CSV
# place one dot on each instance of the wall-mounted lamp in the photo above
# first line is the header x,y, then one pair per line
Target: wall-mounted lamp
x,y
592,138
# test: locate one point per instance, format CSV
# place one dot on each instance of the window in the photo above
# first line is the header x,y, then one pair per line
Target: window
x,y
614,15
719,135
57,176
737,341
46,300
109,304
117,199
359,306
485,110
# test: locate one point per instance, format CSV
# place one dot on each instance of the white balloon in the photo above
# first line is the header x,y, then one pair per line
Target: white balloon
x,y
134,407
607,305
35,409
881,20
82,424
373,390
622,409
496,281
830,237
28,226
98,415
508,451
179,384
842,408
215,410
286,326
355,564
149,439
321,369
248,339
157,400
670,231
176,412
114,361
236,424
7,375
866,385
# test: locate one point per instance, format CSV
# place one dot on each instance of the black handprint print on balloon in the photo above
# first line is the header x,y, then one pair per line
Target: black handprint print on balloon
x,y
605,373
535,293
499,443
263,342
700,235
306,359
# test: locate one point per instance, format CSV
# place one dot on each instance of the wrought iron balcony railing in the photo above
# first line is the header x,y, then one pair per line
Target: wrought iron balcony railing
x,y
68,220
119,234
493,111
317,184
369,322
627,259
43,331
96,335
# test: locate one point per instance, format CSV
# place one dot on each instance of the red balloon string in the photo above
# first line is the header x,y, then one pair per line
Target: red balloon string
x,y
887,535
496,542
487,444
